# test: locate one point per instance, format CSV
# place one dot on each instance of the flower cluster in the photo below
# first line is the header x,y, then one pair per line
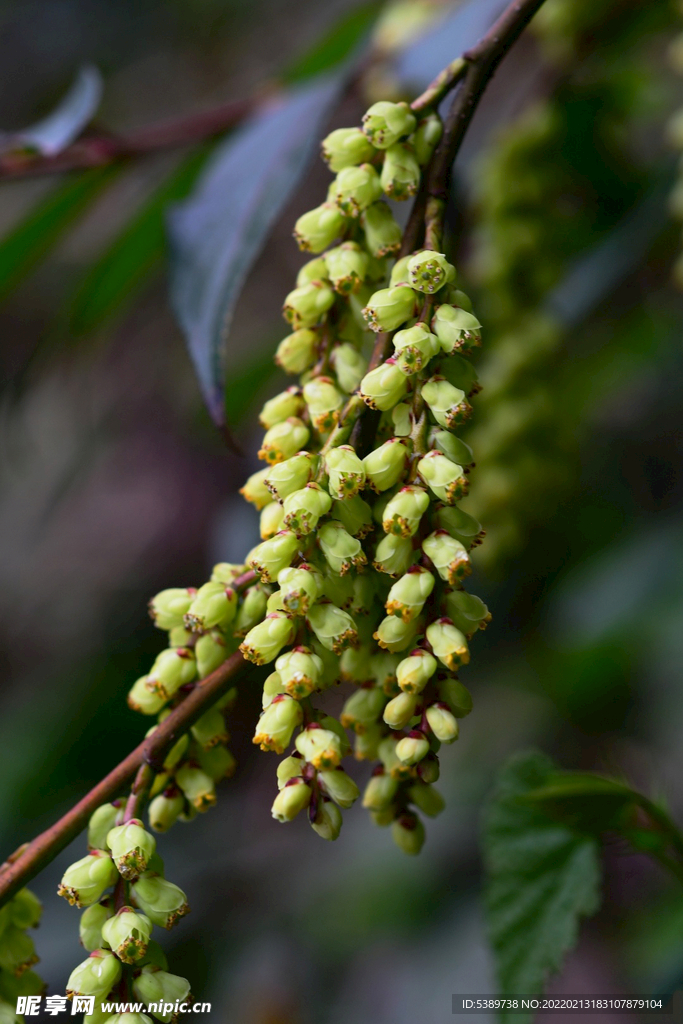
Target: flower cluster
x,y
18,953
116,926
364,551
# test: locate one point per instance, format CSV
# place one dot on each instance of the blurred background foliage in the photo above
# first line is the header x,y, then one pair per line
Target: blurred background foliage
x,y
114,482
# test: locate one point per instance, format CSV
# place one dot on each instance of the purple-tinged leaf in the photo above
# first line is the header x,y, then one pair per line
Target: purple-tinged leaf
x,y
66,122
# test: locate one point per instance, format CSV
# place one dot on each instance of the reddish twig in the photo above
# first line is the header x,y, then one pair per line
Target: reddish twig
x,y
34,856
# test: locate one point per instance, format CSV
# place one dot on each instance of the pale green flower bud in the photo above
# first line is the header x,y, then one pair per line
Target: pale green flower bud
x,y
404,511
164,810
346,472
457,696
334,628
131,847
428,769
141,699
101,822
461,374
356,188
300,587
227,572
407,596
172,669
307,305
427,799
320,747
380,791
314,270
24,910
443,477
448,643
272,556
393,555
393,634
456,328
455,297
366,744
198,787
349,366
210,729
287,403
298,352
157,986
283,440
400,177
294,797
328,821
277,723
316,230
162,901
215,604
426,138
290,475
302,509
347,266
363,596
289,768
385,466
384,669
442,722
363,708
469,613
96,976
255,490
354,514
399,272
335,726
412,748
324,402
448,404
459,524
90,925
400,710
17,951
128,934
271,687
448,555
382,233
384,386
263,643
340,787
250,612
451,446
300,671
210,652
168,607
414,347
85,882
355,665
346,147
180,637
388,308
217,762
414,672
408,833
429,271
338,589
28,983
392,763
342,552
384,123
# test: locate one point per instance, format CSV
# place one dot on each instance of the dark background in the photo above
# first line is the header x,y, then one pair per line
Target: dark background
x,y
113,485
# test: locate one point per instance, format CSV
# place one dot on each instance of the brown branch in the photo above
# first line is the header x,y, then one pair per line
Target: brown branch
x,y
100,150
17,871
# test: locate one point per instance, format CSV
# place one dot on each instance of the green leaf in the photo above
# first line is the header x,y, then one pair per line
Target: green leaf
x,y
33,238
542,877
336,45
117,276
217,234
